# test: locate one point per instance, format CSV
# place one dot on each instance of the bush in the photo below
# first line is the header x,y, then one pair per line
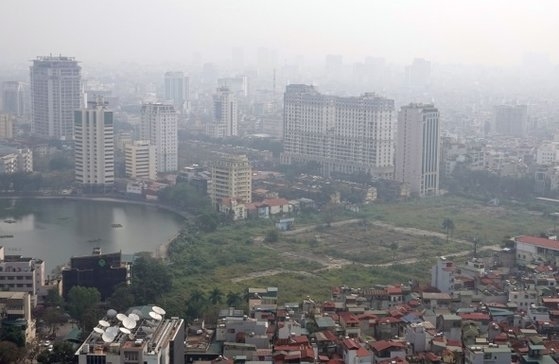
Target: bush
x,y
271,236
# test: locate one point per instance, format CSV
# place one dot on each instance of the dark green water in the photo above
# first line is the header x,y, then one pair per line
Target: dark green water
x,y
55,230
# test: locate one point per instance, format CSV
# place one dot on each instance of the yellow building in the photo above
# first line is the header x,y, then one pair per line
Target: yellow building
x,y
231,176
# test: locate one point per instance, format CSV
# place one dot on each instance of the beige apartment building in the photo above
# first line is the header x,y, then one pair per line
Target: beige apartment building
x,y
344,135
140,160
231,176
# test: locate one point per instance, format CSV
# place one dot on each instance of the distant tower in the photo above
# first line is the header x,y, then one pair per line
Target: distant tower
x,y
418,74
159,126
13,98
55,95
418,149
94,146
226,114
177,90
511,120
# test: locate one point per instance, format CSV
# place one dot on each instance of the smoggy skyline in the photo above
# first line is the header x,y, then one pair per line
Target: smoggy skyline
x,y
172,31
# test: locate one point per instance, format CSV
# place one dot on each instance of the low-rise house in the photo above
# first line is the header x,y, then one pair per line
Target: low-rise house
x,y
490,354
350,324
387,349
354,353
436,300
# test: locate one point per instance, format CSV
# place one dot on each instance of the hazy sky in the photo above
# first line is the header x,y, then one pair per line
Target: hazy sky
x,y
148,31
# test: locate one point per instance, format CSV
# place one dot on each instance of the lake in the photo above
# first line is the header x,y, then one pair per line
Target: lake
x,y
56,229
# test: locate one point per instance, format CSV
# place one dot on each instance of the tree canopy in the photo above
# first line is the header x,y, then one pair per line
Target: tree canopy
x,y
150,279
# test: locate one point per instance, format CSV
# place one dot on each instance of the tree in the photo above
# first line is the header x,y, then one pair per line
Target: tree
x,y
82,304
150,280
10,353
233,299
122,298
394,247
62,352
216,296
271,236
448,227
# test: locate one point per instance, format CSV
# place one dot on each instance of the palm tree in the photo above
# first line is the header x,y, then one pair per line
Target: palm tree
x,y
233,299
448,227
216,296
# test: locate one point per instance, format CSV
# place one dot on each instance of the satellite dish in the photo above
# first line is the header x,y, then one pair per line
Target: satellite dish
x,y
113,330
121,317
134,317
104,323
137,312
158,310
98,330
111,313
129,323
107,338
124,330
155,316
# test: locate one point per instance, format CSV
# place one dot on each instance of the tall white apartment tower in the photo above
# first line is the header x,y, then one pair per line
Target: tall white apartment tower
x,y
159,126
418,149
140,160
177,90
231,177
226,113
344,135
94,146
55,95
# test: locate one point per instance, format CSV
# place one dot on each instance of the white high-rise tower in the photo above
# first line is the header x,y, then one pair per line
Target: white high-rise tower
x,y
226,114
94,146
418,149
55,95
159,126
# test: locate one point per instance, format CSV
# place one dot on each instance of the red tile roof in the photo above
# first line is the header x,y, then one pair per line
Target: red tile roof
x,y
348,318
350,344
537,241
394,290
474,316
382,345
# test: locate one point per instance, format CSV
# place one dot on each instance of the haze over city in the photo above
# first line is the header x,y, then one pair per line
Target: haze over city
x,y
279,181
172,31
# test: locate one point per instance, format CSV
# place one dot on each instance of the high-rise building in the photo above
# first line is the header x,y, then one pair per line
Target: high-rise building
x,y
238,85
55,95
13,98
231,176
140,160
418,74
6,126
226,114
177,90
418,149
94,146
159,126
342,134
511,120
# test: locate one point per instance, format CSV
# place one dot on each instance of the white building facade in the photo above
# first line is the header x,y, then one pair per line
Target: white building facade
x,y
342,134
226,114
94,146
418,149
159,126
55,94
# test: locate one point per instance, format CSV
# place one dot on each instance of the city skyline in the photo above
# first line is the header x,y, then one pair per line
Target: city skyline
x,y
497,32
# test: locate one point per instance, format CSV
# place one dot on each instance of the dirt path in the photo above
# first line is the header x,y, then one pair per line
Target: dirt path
x,y
330,263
